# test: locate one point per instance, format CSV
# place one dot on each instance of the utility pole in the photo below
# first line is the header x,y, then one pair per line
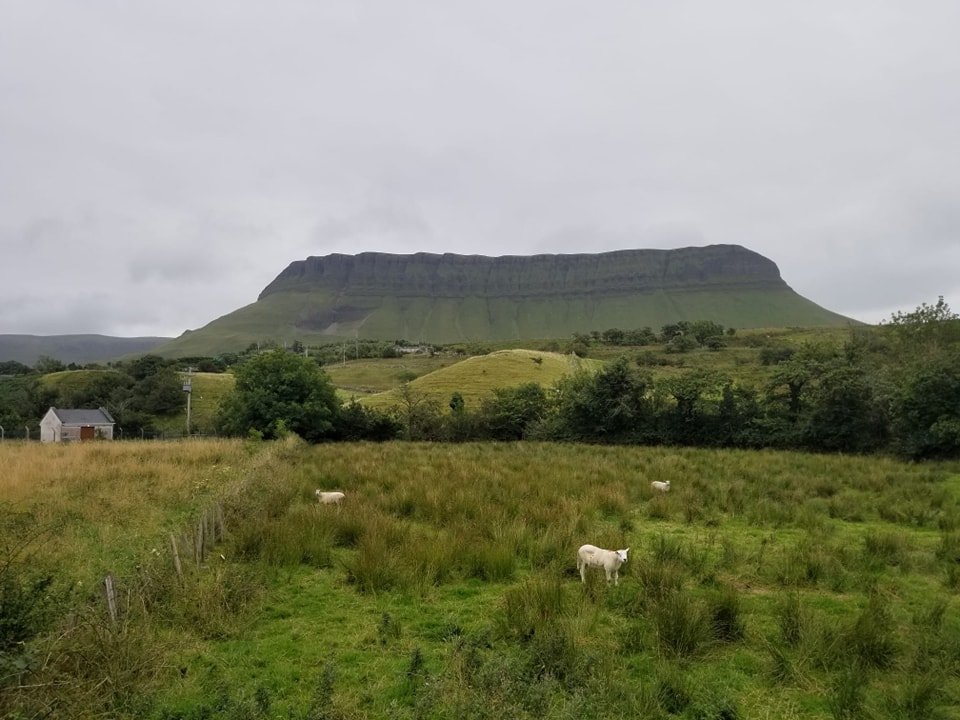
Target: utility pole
x,y
188,389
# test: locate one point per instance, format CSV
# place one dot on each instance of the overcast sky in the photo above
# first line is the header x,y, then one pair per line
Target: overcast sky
x,y
162,162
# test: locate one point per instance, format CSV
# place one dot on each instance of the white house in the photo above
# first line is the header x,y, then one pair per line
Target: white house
x,y
60,424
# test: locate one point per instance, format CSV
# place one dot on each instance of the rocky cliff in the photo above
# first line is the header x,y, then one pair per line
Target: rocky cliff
x,y
449,275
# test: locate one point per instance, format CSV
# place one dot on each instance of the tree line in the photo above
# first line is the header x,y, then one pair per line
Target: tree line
x,y
892,388
136,393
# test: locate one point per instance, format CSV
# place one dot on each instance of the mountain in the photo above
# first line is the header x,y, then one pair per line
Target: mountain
x,y
27,349
451,298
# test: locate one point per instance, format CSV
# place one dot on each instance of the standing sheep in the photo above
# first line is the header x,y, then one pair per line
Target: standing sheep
x,y
329,498
609,560
660,486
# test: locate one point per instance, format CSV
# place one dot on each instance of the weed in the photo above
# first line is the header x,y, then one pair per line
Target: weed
x,y
886,547
791,619
919,697
672,693
388,629
535,603
659,580
845,700
683,625
726,615
321,703
416,672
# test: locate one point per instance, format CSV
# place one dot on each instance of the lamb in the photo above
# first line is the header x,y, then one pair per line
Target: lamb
x,y
609,560
660,486
329,498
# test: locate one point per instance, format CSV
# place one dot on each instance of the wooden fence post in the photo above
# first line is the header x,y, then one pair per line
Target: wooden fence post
x,y
176,557
111,597
221,529
198,541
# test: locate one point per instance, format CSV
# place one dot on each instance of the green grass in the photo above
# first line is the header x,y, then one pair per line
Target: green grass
x,y
368,376
477,377
209,390
307,314
446,587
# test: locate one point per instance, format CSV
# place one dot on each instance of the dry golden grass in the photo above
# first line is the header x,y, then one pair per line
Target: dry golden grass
x,y
97,506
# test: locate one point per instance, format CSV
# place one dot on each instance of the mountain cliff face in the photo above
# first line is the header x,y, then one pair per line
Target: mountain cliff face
x,y
449,275
452,298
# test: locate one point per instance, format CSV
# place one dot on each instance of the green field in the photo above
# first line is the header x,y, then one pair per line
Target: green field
x,y
765,585
477,377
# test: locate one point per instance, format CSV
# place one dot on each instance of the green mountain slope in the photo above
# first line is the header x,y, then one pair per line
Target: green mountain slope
x,y
453,298
27,349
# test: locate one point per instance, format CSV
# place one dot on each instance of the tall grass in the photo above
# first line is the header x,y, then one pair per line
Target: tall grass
x,y
446,584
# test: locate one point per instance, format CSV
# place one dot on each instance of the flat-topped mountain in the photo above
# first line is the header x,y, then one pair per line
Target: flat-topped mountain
x,y
516,276
450,298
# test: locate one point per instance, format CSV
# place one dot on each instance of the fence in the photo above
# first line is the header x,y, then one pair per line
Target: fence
x,y
197,540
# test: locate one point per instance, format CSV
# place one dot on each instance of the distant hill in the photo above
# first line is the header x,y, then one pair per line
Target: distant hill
x,y
453,298
27,349
476,378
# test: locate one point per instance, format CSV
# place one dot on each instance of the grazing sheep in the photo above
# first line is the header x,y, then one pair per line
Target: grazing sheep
x,y
329,498
660,486
609,560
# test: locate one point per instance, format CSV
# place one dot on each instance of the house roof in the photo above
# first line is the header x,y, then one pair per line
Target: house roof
x,y
100,416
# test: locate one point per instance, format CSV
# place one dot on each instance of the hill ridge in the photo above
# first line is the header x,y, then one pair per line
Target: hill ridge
x,y
456,275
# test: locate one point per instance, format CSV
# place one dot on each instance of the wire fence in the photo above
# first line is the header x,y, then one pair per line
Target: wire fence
x,y
25,433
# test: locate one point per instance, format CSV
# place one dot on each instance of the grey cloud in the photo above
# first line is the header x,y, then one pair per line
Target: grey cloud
x,y
166,161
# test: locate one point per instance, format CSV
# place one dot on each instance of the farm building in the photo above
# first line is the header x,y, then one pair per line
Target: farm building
x,y
60,424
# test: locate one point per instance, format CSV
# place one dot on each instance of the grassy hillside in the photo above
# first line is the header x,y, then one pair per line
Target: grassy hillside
x,y
764,585
209,389
279,317
27,349
375,375
477,377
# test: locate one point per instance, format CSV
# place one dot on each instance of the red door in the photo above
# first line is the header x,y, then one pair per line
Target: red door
x,y
86,432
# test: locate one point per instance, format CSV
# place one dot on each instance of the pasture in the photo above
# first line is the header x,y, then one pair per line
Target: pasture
x,y
763,585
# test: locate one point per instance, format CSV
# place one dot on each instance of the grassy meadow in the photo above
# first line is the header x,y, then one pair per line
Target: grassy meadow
x,y
476,378
764,585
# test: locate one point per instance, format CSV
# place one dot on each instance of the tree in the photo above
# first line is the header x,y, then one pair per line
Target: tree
x,y
359,423
688,420
160,393
926,329
146,366
608,406
925,408
277,391
12,367
46,364
704,329
512,411
844,413
418,414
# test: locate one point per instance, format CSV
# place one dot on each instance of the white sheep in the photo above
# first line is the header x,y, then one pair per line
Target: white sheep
x,y
609,560
329,498
660,486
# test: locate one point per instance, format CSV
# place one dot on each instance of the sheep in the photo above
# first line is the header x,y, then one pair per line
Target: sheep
x,y
329,498
660,486
609,560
